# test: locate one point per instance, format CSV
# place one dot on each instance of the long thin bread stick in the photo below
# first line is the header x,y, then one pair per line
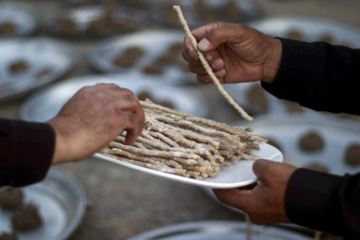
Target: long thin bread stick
x,y
208,68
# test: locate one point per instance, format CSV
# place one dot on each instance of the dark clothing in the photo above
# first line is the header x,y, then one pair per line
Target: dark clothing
x,y
26,151
325,78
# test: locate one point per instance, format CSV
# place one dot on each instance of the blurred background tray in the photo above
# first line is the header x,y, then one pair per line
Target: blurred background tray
x,y
95,21
17,20
61,201
159,54
44,105
215,230
309,29
27,64
200,12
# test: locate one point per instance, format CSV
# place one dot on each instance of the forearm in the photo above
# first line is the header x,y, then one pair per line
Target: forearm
x,y
26,151
319,76
324,202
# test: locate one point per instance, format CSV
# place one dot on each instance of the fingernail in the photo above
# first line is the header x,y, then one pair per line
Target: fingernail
x,y
218,64
203,44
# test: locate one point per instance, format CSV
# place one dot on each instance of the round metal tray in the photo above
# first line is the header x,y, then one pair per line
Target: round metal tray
x,y
39,55
215,230
61,201
309,29
153,43
82,16
44,105
24,18
242,11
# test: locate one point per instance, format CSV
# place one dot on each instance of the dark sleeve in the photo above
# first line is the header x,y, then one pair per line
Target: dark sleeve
x,y
318,76
325,202
26,151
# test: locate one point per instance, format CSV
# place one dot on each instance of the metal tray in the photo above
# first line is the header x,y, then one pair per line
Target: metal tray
x,y
215,230
163,14
287,129
153,43
309,29
24,18
61,201
39,54
241,93
82,16
45,104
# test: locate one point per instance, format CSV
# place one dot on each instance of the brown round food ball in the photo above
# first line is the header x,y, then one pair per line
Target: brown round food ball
x,y
7,28
27,219
256,96
18,66
295,34
143,95
167,104
352,155
11,198
9,236
311,141
274,143
317,167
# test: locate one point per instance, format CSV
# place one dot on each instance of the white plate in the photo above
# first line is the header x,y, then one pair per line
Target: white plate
x,y
38,54
312,29
24,18
45,104
237,174
154,43
62,204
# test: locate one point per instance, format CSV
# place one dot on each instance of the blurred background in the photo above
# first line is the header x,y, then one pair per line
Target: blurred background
x,y
50,49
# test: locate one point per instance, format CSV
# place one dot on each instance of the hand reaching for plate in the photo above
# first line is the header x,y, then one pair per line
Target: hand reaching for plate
x,y
93,117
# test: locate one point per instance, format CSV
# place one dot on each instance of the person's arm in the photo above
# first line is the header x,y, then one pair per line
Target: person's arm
x,y
325,202
319,76
93,117
26,150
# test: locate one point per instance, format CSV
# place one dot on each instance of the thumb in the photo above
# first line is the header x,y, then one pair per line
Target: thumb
x,y
219,35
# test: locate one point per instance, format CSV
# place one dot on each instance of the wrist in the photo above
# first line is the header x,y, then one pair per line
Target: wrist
x,y
273,60
61,149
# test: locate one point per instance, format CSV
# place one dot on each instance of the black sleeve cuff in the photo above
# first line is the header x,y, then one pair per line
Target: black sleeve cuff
x,y
310,199
318,75
30,154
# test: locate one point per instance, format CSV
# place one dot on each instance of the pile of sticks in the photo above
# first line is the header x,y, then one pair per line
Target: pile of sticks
x,y
185,145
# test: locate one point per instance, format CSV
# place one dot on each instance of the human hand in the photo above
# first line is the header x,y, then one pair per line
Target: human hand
x,y
236,53
265,202
93,117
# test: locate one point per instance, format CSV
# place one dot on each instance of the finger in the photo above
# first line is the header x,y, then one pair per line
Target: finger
x,y
136,121
261,168
190,59
205,78
233,197
198,33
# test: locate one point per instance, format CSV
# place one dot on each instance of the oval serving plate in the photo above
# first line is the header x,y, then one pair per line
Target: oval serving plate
x,y
27,64
215,230
238,174
17,20
61,201
44,105
154,44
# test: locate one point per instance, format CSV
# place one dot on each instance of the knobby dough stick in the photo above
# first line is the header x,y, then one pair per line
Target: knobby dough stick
x,y
208,68
169,145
